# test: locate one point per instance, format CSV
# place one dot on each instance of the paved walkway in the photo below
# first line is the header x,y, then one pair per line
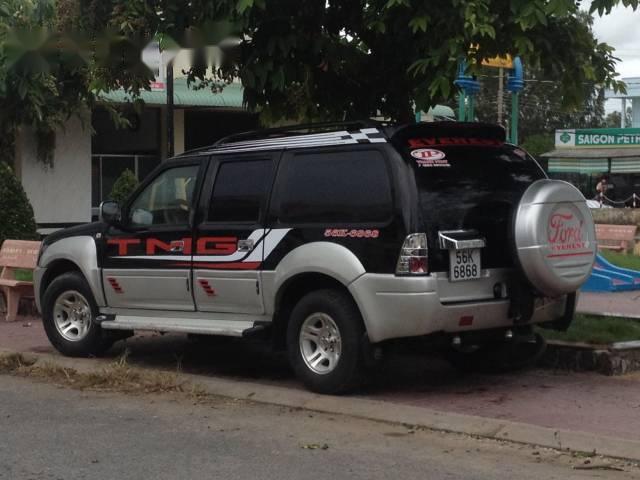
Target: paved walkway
x,y
585,402
618,304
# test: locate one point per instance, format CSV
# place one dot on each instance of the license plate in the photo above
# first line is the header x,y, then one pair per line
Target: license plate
x,y
464,265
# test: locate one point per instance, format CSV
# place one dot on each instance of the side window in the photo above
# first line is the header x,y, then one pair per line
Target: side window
x,y
239,191
167,200
335,187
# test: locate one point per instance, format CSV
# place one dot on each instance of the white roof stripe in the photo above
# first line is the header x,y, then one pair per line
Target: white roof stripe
x,y
302,141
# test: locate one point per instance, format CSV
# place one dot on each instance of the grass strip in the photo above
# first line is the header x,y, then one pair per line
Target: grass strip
x,y
597,330
620,260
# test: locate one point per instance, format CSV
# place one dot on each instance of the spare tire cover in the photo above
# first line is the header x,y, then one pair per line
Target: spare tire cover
x,y
555,237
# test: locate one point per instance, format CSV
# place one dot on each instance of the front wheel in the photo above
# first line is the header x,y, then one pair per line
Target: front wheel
x,y
68,315
324,341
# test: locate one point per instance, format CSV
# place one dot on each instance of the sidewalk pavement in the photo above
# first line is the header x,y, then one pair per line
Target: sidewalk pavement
x,y
580,411
614,304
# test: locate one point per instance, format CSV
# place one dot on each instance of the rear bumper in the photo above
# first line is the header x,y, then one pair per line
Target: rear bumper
x,y
396,307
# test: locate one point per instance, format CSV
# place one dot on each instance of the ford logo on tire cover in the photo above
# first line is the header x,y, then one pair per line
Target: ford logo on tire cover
x,y
555,237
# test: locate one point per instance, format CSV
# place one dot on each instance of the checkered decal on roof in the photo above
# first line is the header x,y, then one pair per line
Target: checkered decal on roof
x,y
365,135
342,137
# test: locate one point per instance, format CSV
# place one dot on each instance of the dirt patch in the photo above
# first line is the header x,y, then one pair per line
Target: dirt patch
x,y
117,376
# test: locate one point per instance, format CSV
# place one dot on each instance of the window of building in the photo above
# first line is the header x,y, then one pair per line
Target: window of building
x,y
240,190
105,170
334,187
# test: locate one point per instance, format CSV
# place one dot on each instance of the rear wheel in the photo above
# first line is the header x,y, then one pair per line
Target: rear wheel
x,y
324,341
68,314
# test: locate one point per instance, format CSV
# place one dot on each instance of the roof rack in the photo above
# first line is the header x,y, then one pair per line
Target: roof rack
x,y
296,130
289,130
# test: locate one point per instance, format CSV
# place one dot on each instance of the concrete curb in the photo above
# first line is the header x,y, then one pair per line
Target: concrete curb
x,y
615,359
387,412
598,313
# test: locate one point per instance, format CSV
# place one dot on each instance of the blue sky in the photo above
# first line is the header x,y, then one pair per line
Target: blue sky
x,y
621,29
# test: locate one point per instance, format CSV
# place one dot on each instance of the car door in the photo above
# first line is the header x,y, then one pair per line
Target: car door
x,y
147,261
230,236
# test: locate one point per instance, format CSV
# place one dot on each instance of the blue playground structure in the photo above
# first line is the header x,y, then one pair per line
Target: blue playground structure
x,y
606,277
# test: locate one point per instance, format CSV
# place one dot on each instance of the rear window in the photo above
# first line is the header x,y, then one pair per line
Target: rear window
x,y
472,187
350,186
463,178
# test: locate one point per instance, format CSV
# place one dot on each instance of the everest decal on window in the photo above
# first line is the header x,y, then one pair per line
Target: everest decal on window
x,y
429,157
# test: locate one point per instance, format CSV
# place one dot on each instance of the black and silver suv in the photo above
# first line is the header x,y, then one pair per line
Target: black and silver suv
x,y
331,240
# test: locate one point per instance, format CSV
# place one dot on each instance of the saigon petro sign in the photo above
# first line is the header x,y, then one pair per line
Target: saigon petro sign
x,y
598,137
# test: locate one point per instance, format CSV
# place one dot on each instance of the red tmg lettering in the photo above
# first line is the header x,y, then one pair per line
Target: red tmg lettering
x,y
153,244
217,245
123,244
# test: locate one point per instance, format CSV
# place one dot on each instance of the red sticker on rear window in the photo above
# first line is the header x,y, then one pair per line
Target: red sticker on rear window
x,y
434,141
429,157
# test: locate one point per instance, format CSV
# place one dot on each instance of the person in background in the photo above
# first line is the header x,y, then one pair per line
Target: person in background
x,y
601,189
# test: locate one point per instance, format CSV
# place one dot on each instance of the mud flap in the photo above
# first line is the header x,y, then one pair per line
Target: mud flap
x,y
522,303
563,323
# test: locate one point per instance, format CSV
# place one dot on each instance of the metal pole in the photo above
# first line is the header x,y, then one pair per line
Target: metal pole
x,y
170,137
500,94
461,101
514,118
471,109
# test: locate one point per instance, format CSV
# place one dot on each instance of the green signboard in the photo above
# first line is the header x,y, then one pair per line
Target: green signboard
x,y
598,137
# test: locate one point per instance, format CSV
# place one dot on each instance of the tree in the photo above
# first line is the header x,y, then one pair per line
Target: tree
x,y
48,74
614,119
124,186
314,59
538,143
542,106
350,58
16,214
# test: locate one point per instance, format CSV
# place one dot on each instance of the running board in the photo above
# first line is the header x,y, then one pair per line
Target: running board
x,y
231,328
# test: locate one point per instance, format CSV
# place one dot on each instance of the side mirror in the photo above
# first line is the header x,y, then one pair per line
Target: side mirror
x,y
110,212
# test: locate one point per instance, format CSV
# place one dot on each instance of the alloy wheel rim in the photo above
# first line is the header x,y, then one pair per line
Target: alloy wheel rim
x,y
72,316
320,343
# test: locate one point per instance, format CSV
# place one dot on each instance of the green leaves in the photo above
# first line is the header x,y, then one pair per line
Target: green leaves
x,y
16,216
306,60
124,187
396,3
244,5
418,24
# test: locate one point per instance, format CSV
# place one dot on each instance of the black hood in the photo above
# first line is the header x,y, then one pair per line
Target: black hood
x,y
88,229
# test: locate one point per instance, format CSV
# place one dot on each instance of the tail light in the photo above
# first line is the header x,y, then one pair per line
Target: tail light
x,y
413,256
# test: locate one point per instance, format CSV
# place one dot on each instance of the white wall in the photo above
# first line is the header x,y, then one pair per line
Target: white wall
x,y
178,131
62,193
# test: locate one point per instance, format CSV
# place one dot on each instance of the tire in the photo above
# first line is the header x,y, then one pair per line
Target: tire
x,y
499,358
83,337
341,322
551,225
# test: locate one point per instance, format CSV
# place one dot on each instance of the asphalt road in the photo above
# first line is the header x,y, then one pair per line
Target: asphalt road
x,y
48,432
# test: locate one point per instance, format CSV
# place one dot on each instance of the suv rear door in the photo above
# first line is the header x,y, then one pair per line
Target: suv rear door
x,y
477,188
230,234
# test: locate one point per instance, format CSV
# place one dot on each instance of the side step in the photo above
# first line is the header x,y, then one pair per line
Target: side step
x,y
231,328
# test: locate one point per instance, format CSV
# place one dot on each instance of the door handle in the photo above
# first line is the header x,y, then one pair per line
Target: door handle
x,y
245,245
177,246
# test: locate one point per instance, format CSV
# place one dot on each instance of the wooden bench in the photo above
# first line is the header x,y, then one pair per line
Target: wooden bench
x,y
16,254
616,237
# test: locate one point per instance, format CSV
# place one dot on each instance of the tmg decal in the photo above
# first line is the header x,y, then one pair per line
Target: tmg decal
x,y
204,245
209,252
